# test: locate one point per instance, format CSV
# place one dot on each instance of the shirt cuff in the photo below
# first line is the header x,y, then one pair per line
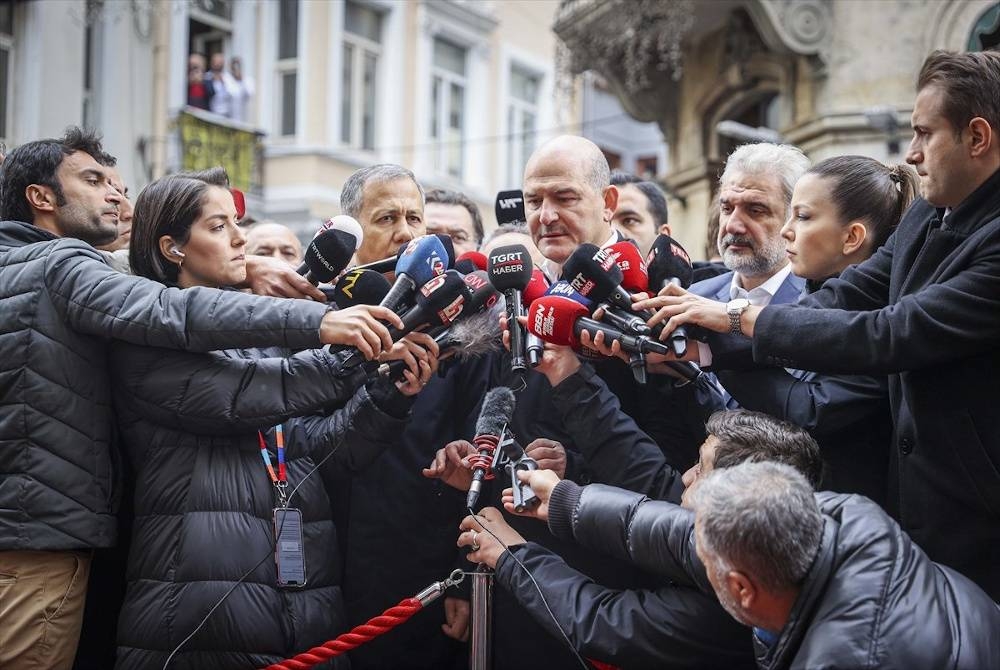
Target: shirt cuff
x,y
562,508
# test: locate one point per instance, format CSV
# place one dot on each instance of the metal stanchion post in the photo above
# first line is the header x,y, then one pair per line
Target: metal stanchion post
x,y
480,652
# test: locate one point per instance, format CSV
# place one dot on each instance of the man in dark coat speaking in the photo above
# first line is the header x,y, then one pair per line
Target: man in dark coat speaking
x,y
926,310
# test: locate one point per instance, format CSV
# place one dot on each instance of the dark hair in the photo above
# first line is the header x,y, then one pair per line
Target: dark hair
x,y
36,163
970,82
654,194
168,206
445,197
754,436
863,189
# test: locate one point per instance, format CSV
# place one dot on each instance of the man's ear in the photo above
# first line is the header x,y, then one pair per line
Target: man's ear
x,y
40,197
981,137
741,588
665,230
610,202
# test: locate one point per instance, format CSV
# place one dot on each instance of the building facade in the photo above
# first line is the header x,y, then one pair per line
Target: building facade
x,y
460,91
831,76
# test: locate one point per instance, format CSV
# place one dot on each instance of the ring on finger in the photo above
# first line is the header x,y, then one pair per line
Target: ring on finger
x,y
475,540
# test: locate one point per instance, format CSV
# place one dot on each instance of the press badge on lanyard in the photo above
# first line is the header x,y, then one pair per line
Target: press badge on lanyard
x,y
289,555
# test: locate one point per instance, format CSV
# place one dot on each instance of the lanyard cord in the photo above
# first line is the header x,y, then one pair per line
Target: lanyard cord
x,y
279,480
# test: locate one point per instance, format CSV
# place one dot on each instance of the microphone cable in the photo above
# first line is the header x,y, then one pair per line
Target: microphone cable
x,y
565,637
249,572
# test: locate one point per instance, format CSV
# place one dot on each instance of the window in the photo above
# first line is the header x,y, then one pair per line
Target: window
x,y
448,107
522,122
6,51
362,48
287,65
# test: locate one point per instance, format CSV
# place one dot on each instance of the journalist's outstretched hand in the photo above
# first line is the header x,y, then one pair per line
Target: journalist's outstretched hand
x,y
276,278
678,307
420,353
488,535
541,482
451,465
360,327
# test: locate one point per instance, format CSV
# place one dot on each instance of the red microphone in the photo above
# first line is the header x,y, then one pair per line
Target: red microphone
x,y
537,286
629,260
553,317
475,261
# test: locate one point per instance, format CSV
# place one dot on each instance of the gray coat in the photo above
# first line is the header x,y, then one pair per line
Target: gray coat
x,y
61,305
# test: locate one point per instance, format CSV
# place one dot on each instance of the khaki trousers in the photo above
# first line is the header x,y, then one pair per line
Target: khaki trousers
x,y
41,608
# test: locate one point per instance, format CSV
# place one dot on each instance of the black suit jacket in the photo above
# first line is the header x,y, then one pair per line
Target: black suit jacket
x,y
925,309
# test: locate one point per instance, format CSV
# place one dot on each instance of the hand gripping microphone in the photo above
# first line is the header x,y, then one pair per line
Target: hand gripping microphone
x,y
498,408
360,287
439,302
669,263
534,346
421,260
510,268
326,255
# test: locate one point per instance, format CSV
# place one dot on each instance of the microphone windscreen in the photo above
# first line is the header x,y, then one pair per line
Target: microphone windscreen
x,y
592,272
422,258
629,261
482,294
667,260
477,259
510,267
535,289
346,224
360,287
497,410
510,208
449,249
552,318
565,290
326,255
440,300
465,266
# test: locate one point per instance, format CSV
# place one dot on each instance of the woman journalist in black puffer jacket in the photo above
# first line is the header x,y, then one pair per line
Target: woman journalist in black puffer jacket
x,y
191,427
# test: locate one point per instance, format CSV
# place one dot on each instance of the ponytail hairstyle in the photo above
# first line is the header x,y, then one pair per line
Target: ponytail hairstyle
x,y
864,189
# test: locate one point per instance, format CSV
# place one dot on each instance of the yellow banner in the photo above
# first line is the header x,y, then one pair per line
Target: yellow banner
x,y
205,144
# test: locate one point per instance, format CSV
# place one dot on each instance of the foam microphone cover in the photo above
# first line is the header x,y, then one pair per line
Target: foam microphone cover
x,y
497,411
482,294
629,260
449,249
422,259
536,288
552,318
592,272
668,260
477,259
510,267
345,224
510,208
326,255
565,289
360,287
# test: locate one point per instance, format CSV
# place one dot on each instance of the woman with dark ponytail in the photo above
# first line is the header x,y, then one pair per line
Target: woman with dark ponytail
x,y
843,209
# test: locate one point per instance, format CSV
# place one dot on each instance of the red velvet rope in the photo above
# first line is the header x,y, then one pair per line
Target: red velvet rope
x,y
356,637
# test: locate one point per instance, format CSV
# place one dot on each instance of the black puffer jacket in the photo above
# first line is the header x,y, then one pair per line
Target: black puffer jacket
x,y
61,303
872,598
204,500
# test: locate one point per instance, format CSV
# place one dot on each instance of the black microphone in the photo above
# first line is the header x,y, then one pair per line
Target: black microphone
x,y
498,408
640,345
509,208
668,263
510,269
326,255
360,287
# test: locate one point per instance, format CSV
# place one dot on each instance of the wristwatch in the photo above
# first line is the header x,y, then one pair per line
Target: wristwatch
x,y
735,309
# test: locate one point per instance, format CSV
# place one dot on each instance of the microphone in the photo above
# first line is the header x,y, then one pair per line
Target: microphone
x,y
419,261
439,302
389,264
594,273
326,255
347,225
669,263
360,287
470,261
496,413
534,346
510,269
510,208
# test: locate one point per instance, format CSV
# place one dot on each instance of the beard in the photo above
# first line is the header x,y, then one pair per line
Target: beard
x,y
80,223
762,260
